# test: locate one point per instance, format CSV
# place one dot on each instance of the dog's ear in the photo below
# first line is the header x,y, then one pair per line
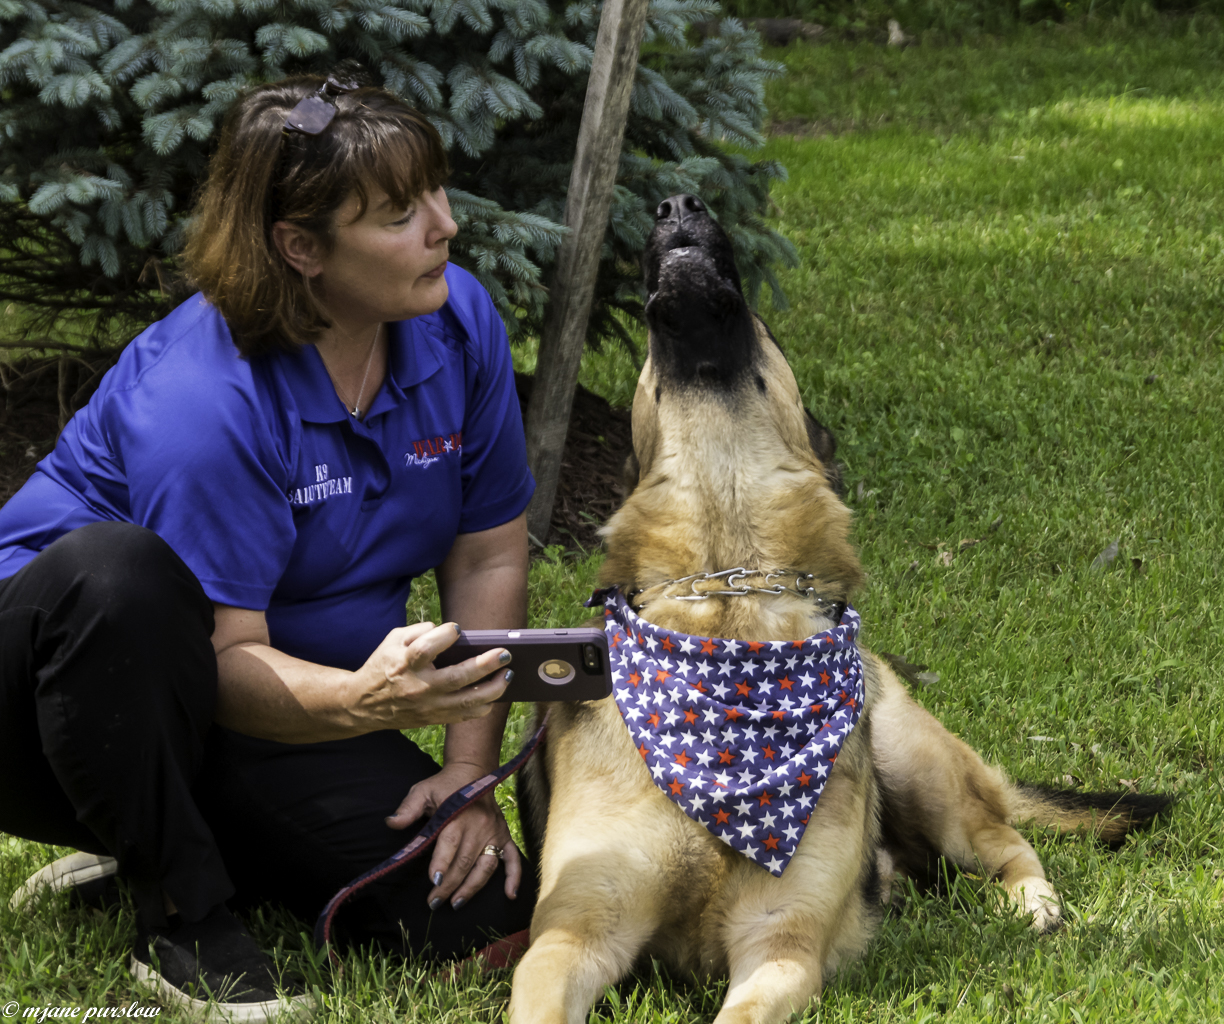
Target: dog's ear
x,y
824,445
631,473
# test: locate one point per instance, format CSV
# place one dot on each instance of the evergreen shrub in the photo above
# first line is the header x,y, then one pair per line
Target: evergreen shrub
x,y
109,112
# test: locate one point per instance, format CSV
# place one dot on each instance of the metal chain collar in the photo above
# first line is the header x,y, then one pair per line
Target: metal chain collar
x,y
734,583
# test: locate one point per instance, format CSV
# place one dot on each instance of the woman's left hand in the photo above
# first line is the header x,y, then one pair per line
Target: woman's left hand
x,y
459,868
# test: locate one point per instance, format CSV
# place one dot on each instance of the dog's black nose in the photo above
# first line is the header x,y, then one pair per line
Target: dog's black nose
x,y
679,208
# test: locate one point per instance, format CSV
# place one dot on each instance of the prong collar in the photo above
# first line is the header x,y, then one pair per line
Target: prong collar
x,y
737,582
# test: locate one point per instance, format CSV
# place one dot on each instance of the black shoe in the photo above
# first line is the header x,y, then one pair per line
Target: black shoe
x,y
90,879
214,966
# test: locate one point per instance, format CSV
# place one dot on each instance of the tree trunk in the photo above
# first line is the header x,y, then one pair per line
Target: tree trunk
x,y
586,215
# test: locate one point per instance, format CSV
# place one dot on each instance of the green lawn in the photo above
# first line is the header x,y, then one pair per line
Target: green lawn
x,y
1008,308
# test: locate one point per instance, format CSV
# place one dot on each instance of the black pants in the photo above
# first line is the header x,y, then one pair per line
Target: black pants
x,y
107,687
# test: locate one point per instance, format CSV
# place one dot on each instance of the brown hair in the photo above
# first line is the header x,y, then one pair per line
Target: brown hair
x,y
261,174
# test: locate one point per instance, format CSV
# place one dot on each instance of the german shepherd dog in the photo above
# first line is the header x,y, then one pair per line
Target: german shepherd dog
x,y
731,471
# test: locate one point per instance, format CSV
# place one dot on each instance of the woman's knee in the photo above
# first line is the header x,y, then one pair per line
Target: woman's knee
x,y
127,568
123,619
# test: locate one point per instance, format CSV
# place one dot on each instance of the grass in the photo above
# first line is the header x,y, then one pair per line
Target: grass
x,y
1008,308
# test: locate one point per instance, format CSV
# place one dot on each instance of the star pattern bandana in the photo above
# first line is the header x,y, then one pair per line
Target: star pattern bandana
x,y
740,735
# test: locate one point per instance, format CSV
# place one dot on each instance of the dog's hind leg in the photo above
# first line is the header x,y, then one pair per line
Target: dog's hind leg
x,y
939,794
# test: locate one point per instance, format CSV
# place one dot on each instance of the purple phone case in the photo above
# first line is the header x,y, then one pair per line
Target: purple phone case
x,y
549,664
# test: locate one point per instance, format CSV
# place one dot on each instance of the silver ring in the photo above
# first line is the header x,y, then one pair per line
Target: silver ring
x,y
493,851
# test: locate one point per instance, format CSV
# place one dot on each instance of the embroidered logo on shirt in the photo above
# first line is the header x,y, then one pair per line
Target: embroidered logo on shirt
x,y
429,450
323,488
741,735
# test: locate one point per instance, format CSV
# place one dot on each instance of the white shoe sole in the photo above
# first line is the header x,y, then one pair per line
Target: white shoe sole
x,y
300,1008
65,873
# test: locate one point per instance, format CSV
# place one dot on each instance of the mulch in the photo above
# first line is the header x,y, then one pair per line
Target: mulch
x,y
590,488
29,419
589,491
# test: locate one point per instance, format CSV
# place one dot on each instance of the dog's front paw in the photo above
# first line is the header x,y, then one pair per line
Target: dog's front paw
x,y
1036,896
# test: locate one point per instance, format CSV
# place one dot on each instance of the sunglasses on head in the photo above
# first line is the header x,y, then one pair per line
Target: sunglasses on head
x,y
313,114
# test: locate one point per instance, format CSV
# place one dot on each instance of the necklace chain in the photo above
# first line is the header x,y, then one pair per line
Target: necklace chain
x,y
355,411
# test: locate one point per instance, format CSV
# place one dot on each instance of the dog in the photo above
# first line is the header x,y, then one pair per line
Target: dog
x,y
729,471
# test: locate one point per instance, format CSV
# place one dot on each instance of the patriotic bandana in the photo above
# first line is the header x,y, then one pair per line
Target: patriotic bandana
x,y
741,735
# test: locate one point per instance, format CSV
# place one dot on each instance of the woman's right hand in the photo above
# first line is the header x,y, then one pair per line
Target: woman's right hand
x,y
398,687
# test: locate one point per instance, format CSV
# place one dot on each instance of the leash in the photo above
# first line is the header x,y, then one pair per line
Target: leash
x,y
451,808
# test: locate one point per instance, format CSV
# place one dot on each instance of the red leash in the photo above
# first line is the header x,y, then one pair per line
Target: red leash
x,y
499,954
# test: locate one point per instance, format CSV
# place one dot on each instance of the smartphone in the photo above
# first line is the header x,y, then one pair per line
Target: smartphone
x,y
549,664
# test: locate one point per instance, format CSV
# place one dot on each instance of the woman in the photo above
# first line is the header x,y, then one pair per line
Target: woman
x,y
205,662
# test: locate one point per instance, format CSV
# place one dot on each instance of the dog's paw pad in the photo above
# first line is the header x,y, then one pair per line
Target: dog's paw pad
x,y
1037,897
1047,917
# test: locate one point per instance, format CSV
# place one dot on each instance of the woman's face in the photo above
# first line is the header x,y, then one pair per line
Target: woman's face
x,y
388,263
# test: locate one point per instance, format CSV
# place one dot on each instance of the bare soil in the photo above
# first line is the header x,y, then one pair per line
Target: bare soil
x,y
589,490
29,419
590,487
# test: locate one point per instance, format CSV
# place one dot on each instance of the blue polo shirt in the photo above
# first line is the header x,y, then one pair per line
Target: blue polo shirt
x,y
278,500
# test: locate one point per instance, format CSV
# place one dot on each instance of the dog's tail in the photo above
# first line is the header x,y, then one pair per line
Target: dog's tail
x,y
1108,816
